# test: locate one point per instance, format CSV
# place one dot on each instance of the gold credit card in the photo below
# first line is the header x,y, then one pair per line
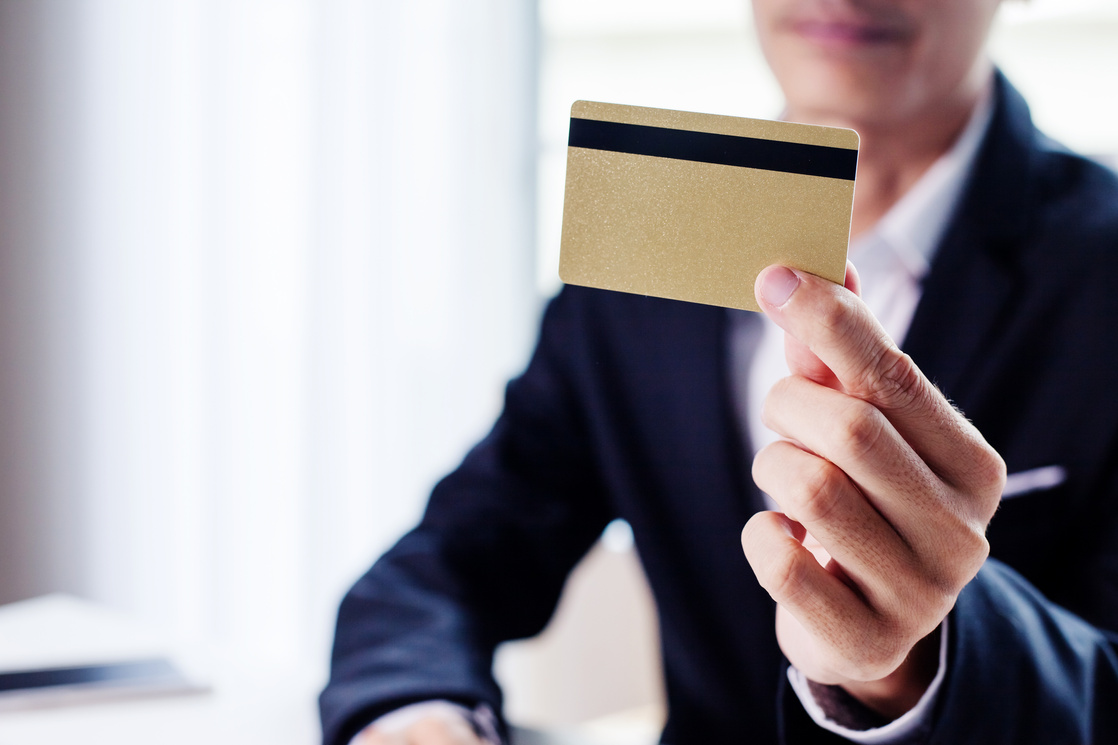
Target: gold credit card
x,y
693,206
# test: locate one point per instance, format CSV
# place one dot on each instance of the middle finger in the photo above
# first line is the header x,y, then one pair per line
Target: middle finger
x,y
860,440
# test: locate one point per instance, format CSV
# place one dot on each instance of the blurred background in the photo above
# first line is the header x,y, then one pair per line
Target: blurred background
x,y
265,266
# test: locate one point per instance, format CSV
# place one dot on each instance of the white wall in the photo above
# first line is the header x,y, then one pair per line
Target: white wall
x,y
266,266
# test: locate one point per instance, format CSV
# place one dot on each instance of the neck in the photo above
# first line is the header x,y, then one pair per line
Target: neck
x,y
896,151
891,160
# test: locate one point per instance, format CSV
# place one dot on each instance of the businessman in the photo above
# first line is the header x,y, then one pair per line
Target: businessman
x,y
920,594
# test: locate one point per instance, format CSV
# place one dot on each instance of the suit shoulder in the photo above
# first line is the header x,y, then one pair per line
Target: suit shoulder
x,y
1079,190
1076,220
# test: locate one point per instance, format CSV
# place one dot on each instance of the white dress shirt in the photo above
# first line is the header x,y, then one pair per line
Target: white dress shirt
x,y
892,260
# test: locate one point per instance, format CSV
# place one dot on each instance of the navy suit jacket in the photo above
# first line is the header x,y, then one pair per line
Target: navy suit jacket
x,y
624,411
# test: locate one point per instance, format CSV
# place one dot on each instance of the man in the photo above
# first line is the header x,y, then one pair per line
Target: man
x,y
994,256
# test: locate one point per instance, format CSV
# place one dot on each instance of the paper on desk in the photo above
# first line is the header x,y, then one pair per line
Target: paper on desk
x,y
60,631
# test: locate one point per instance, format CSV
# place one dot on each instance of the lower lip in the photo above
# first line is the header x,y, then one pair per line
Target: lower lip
x,y
845,35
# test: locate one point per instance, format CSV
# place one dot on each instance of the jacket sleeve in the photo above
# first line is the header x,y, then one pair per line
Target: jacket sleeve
x,y
1021,670
487,561
1024,670
1037,661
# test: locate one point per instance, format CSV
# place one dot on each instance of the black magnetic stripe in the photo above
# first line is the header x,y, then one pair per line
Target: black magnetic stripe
x,y
706,147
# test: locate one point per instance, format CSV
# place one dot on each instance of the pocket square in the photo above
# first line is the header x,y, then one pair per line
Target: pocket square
x,y
1035,479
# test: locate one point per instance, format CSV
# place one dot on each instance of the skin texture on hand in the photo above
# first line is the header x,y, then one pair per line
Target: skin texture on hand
x,y
435,729
886,491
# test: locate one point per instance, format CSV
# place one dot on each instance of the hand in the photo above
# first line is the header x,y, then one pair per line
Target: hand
x,y
436,728
886,491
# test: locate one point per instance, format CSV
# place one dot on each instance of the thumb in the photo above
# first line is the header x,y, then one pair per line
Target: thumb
x,y
801,360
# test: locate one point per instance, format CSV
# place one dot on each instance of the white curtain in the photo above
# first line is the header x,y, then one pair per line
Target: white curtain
x,y
297,269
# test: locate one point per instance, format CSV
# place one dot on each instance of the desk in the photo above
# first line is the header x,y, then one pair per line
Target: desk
x,y
239,710
249,705
231,704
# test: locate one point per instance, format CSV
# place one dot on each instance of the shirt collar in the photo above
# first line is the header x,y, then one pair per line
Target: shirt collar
x,y
912,228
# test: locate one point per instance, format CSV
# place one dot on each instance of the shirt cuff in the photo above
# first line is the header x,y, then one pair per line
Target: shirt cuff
x,y
481,718
905,727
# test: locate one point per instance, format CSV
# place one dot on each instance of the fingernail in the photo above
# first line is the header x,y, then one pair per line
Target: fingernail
x,y
777,285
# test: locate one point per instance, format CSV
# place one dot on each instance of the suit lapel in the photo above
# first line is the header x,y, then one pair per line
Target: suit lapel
x,y
973,282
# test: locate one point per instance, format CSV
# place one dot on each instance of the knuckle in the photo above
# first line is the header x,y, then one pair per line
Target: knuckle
x,y
895,381
981,481
817,494
916,604
768,463
962,557
836,318
860,429
927,610
782,388
782,576
774,399
978,551
991,477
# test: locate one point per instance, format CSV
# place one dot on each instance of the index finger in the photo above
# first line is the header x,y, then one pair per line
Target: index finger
x,y
838,328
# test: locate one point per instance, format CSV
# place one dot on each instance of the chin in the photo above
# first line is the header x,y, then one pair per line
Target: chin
x,y
841,88
843,95
823,100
